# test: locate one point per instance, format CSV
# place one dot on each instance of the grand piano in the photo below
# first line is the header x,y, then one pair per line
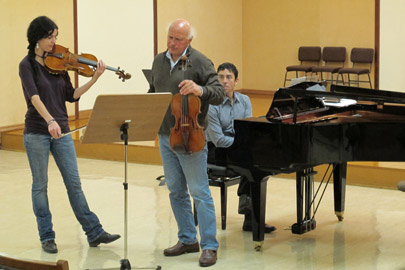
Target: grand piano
x,y
306,128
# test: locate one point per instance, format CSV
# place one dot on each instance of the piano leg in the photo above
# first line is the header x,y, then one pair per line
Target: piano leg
x,y
304,182
339,188
258,192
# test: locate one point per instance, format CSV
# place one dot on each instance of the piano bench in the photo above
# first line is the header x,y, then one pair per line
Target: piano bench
x,y
223,178
224,183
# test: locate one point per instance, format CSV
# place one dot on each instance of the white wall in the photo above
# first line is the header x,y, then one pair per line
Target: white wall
x,y
392,45
119,32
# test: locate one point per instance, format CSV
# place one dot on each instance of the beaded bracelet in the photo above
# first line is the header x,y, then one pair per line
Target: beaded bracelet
x,y
51,121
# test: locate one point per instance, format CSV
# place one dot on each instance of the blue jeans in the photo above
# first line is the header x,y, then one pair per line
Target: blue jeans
x,y
184,174
63,151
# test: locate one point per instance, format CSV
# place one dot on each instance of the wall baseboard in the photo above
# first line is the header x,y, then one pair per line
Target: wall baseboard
x,y
12,127
257,92
85,114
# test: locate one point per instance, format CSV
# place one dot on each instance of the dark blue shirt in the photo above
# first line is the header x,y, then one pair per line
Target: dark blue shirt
x,y
220,129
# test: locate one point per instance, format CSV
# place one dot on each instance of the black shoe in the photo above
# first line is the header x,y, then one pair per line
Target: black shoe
x,y
267,228
49,246
247,227
104,238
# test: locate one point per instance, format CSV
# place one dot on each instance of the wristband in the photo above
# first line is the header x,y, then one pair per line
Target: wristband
x,y
51,121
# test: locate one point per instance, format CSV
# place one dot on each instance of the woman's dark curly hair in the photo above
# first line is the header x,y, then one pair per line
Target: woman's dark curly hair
x,y
41,27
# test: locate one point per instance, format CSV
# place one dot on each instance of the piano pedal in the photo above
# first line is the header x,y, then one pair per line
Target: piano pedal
x,y
258,245
305,226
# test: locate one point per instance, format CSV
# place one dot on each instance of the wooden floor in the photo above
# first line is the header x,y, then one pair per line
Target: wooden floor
x,y
369,174
369,237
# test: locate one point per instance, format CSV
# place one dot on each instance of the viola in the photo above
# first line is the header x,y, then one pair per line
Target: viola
x,y
60,60
186,136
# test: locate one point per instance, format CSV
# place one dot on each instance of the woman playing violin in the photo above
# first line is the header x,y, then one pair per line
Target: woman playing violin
x,y
45,121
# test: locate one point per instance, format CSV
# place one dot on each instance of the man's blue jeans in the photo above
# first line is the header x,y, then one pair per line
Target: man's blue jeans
x,y
183,174
63,151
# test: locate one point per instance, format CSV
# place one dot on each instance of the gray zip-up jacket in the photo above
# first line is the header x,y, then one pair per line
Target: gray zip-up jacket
x,y
199,69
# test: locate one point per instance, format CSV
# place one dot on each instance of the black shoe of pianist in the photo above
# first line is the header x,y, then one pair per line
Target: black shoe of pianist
x,y
267,228
247,225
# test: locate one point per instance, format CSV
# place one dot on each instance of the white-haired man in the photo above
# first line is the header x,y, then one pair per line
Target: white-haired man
x,y
187,173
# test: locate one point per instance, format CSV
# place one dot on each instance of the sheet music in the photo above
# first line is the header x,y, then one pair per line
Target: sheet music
x,y
343,102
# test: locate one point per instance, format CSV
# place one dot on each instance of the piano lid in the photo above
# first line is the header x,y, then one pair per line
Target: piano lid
x,y
356,93
297,100
286,106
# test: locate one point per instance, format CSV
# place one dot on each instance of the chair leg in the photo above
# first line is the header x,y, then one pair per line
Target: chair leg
x,y
342,81
285,78
369,80
224,195
195,215
339,81
310,77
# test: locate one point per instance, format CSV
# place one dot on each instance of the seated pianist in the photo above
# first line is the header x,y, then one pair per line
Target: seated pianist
x,y
220,133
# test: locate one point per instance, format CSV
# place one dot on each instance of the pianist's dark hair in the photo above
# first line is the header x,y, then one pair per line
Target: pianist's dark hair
x,y
229,66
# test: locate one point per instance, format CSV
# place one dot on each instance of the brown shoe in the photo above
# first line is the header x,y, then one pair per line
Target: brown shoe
x,y
181,248
208,257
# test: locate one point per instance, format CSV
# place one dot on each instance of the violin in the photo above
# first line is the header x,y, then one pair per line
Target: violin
x,y
60,60
187,136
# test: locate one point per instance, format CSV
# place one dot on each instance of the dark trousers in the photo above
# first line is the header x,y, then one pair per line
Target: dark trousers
x,y
217,156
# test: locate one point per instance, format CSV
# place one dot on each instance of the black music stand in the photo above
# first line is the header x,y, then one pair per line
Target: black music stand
x,y
148,75
117,118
